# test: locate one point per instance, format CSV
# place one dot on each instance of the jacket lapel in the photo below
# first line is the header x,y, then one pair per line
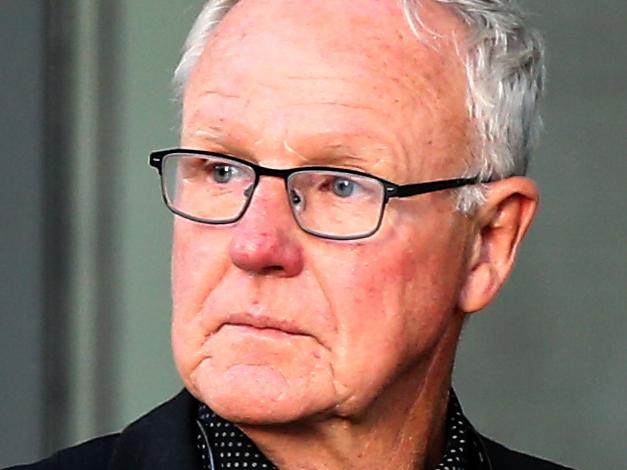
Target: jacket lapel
x,y
162,439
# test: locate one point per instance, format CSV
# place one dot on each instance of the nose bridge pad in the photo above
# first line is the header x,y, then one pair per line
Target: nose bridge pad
x,y
296,200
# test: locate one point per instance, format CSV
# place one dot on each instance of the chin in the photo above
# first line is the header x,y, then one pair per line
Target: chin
x,y
261,395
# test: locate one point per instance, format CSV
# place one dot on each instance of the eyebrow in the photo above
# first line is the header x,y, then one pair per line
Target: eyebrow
x,y
217,135
331,150
341,155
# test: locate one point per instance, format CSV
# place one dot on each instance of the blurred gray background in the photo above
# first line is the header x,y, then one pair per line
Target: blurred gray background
x,y
84,252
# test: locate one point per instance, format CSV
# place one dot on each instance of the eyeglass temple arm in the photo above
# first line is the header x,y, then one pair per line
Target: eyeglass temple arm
x,y
429,187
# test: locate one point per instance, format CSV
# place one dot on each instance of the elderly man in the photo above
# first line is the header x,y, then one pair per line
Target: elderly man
x,y
349,188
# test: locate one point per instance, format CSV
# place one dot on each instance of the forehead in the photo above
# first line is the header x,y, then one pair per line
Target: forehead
x,y
352,68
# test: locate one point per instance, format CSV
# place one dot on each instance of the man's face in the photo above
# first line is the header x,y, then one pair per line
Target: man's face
x,y
272,324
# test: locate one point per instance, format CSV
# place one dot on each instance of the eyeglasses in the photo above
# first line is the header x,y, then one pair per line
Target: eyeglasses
x,y
332,203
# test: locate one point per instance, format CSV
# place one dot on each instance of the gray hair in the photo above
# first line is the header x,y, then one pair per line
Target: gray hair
x,y
504,63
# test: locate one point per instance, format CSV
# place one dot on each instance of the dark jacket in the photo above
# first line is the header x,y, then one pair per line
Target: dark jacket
x,y
164,439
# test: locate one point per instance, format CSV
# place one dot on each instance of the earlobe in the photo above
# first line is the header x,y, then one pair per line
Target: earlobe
x,y
501,224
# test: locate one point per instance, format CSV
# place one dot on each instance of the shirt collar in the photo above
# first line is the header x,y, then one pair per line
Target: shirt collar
x,y
222,445
464,449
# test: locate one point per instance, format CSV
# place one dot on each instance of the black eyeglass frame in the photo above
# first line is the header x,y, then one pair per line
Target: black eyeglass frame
x,y
390,190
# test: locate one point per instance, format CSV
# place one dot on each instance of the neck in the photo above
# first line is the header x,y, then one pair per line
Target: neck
x,y
404,428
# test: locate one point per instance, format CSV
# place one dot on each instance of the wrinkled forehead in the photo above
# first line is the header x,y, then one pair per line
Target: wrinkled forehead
x,y
276,40
360,55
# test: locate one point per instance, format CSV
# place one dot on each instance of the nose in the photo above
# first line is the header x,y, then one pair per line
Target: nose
x,y
265,239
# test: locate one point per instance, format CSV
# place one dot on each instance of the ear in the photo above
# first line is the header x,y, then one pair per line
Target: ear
x,y
500,225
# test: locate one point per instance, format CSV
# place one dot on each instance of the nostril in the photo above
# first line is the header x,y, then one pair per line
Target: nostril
x,y
272,269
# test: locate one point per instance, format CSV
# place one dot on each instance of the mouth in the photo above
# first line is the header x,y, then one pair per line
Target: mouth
x,y
261,324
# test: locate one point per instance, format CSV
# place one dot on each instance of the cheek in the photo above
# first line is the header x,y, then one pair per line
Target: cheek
x,y
198,264
199,259
365,286
371,281
392,298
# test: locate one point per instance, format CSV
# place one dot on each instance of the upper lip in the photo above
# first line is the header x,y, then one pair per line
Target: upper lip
x,y
264,321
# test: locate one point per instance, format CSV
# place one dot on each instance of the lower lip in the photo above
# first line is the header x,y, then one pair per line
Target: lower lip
x,y
261,332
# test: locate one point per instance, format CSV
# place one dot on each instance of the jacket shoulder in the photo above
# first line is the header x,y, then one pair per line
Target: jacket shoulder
x,y
503,458
163,439
93,454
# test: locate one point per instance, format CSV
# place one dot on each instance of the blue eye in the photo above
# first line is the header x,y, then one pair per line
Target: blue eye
x,y
223,173
343,187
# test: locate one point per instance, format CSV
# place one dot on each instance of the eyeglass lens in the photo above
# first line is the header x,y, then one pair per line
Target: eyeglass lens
x,y
326,203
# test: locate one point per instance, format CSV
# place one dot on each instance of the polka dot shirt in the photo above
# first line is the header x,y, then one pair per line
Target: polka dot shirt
x,y
222,445
463,449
